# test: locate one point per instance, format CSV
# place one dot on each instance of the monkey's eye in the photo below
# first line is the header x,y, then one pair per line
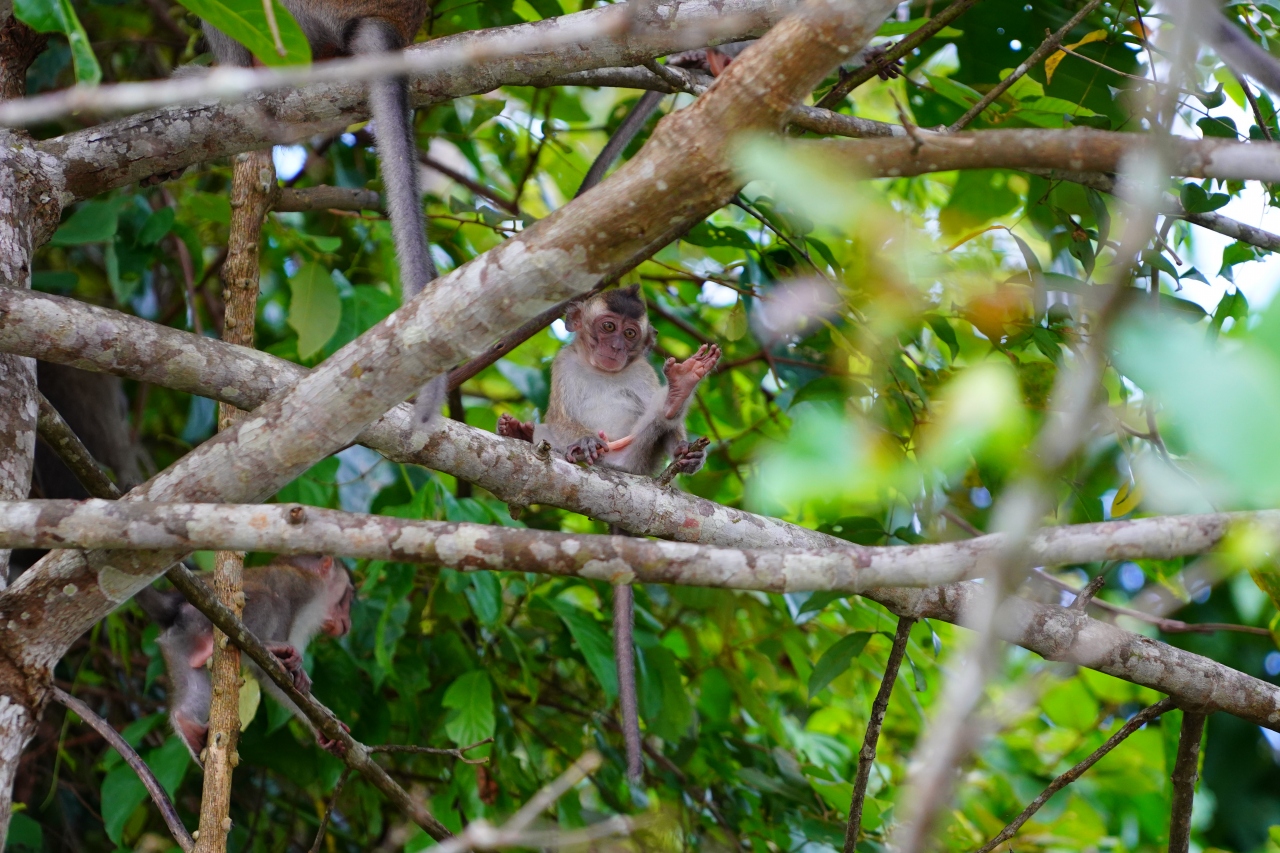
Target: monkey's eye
x,y
607,326
630,333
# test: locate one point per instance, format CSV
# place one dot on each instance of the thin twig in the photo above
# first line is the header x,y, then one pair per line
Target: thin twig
x,y
1165,624
867,755
476,187
432,750
1135,722
894,53
328,812
1184,776
1253,105
63,441
1046,47
1084,596
481,835
668,476
672,77
148,779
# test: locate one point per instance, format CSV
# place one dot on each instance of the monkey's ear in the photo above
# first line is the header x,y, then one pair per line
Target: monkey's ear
x,y
573,316
650,338
325,564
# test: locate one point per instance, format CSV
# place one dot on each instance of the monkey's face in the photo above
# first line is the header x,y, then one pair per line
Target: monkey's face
x,y
614,341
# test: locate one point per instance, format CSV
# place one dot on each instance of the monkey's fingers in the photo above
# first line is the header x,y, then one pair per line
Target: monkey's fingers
x,y
334,747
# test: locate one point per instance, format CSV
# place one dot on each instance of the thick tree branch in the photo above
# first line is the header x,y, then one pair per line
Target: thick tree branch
x,y
325,198
131,757
1134,723
1186,770
1079,150
1053,632
296,529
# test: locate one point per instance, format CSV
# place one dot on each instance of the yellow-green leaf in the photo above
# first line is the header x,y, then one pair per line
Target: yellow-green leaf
x,y
1051,64
250,699
1127,498
315,309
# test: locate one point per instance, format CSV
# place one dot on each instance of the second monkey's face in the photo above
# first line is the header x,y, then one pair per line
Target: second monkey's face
x,y
613,341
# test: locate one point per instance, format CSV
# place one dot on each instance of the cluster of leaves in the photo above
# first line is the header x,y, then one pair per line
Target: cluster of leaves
x,y
883,420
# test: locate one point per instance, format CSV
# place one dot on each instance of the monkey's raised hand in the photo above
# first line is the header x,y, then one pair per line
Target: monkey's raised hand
x,y
683,377
587,449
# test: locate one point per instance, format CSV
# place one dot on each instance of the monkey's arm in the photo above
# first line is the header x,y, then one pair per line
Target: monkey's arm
x,y
660,430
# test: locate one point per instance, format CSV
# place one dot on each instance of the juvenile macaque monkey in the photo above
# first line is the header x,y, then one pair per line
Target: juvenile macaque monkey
x,y
286,604
337,28
607,407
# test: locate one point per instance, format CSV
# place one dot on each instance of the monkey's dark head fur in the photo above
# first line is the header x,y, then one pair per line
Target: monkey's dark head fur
x,y
612,328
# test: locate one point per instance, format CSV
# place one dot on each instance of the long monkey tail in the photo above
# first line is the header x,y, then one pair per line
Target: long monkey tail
x,y
631,125
624,656
398,156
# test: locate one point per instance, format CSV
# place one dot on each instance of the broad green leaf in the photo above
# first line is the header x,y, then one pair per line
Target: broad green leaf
x,y
709,236
945,333
957,93
470,699
836,660
485,596
158,225
247,21
122,792
169,763
593,642
94,222
1218,126
1196,200
59,16
315,309
25,835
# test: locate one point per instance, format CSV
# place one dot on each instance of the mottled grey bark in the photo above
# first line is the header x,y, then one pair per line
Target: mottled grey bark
x,y
848,568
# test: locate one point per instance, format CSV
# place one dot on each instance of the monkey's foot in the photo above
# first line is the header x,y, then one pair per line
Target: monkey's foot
x,y
683,377
515,428
334,747
884,69
193,733
291,659
586,449
689,458
161,177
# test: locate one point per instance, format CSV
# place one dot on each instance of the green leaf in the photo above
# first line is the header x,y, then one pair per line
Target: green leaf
x,y
957,93
710,236
122,793
470,699
25,835
169,763
945,333
247,20
315,309
95,222
1219,126
157,226
485,596
529,381
1196,200
672,714
59,16
593,642
836,660
902,28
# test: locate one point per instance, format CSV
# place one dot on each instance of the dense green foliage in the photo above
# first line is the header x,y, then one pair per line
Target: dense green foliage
x,y
898,418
